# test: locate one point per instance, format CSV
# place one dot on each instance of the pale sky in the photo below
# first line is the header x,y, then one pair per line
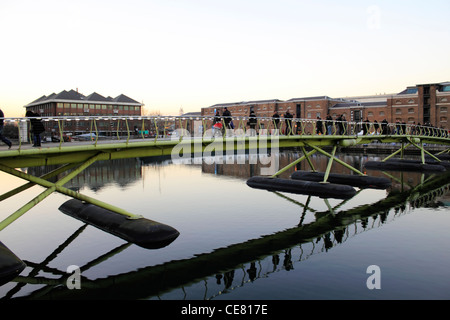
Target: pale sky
x,y
172,54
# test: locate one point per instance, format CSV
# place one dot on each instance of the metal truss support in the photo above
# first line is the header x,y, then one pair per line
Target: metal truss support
x,y
330,162
444,152
52,187
416,143
423,151
333,158
305,156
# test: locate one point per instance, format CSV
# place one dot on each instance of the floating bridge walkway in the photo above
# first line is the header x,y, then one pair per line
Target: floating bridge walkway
x,y
77,142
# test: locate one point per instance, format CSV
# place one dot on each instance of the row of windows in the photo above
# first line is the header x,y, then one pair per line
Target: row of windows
x,y
84,114
412,110
81,106
409,101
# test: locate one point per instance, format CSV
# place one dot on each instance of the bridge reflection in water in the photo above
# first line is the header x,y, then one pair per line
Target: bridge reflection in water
x,y
227,268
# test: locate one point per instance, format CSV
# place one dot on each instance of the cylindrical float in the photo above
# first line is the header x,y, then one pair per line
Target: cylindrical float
x,y
322,190
402,165
345,179
10,265
143,232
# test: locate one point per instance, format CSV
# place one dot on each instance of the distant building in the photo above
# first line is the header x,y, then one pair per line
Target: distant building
x,y
420,104
73,103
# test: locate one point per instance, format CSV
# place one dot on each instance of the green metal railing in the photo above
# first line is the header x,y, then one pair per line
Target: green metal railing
x,y
95,128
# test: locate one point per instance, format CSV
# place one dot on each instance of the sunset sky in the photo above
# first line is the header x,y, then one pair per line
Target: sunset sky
x,y
172,54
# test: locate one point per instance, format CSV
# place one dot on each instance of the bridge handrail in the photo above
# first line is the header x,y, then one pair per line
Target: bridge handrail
x,y
164,126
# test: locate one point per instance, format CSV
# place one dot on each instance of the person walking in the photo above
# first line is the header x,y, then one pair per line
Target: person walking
x,y
36,127
276,122
329,124
252,121
227,118
288,119
319,126
2,137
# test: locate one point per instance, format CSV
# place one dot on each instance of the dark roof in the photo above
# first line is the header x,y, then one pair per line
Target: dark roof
x,y
311,98
244,103
95,97
68,95
43,98
73,95
408,90
124,99
190,114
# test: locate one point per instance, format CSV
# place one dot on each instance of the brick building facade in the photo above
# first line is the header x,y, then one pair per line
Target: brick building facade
x,y
420,104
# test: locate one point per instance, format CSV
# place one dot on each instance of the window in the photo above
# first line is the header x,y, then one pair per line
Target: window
x,y
381,113
444,100
411,101
411,110
443,119
370,114
443,109
398,111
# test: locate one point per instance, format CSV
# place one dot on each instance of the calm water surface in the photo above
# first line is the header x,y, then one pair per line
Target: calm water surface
x,y
235,242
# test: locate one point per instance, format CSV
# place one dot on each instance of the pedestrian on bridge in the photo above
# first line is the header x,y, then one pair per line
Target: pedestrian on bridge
x,y
288,119
252,122
276,122
2,137
319,126
36,127
329,124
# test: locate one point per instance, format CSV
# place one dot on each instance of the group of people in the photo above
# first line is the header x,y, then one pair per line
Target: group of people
x,y
289,130
252,121
340,126
37,128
